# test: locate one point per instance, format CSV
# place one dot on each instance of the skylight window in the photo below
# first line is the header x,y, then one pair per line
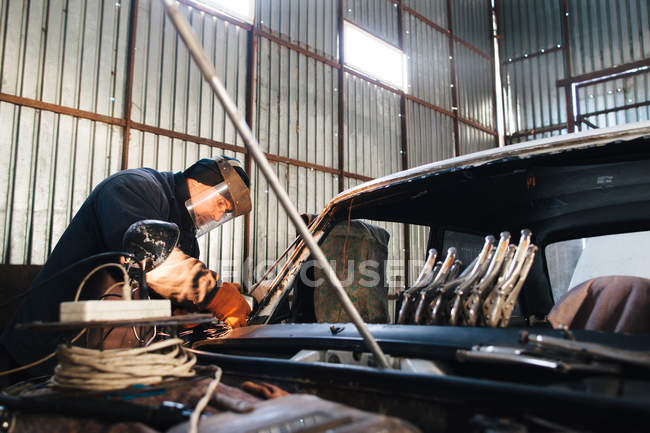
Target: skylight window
x,y
241,9
371,56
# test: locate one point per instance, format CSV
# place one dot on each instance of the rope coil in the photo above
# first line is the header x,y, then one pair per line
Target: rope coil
x,y
106,370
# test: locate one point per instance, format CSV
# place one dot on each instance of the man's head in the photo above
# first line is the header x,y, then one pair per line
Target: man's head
x,y
218,192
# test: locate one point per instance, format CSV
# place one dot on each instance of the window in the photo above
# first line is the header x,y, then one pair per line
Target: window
x,y
468,245
240,9
371,56
574,261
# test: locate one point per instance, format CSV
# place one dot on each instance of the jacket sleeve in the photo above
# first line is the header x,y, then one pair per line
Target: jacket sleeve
x,y
125,199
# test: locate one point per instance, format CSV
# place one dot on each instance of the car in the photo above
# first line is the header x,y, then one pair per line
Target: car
x,y
507,370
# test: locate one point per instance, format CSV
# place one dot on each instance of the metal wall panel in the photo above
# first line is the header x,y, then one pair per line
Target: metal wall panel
x,y
531,97
529,26
372,129
68,53
168,89
431,135
606,33
475,86
378,17
614,94
532,100
51,164
472,23
310,190
474,140
296,105
602,34
312,24
433,10
427,50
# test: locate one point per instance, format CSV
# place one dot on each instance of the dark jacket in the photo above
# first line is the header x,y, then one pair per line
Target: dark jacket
x,y
99,225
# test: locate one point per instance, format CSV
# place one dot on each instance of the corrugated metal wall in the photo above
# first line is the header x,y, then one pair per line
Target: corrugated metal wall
x,y
75,56
551,46
430,134
168,89
379,17
429,74
606,33
311,24
475,86
69,54
372,129
295,117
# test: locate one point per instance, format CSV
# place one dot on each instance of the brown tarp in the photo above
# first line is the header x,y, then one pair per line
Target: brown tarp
x,y
611,304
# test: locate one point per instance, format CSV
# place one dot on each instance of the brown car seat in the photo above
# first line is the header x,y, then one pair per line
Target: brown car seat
x,y
611,304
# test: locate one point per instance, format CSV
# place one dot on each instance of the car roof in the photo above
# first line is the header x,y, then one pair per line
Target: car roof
x,y
551,145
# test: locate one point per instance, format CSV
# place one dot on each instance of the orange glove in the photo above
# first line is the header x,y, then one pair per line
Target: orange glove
x,y
229,305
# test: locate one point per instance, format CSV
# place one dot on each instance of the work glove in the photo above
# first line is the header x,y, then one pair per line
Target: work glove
x,y
229,305
185,280
191,285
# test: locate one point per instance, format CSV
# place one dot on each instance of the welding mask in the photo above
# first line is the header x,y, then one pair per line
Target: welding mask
x,y
222,201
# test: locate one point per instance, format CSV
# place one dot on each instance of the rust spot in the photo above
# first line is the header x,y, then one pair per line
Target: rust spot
x,y
531,182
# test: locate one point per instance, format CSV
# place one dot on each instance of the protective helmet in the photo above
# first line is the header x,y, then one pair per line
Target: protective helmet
x,y
226,197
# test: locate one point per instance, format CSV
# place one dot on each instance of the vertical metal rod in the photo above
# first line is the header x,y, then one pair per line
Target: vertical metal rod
x,y
209,73
571,121
248,165
341,98
503,138
404,141
128,99
495,64
454,78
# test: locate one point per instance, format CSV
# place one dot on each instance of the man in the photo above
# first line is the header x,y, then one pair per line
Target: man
x,y
207,194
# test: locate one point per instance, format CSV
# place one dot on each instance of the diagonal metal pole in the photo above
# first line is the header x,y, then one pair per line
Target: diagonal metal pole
x,y
253,147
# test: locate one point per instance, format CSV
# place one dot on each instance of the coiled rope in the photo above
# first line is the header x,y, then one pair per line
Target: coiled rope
x,y
112,369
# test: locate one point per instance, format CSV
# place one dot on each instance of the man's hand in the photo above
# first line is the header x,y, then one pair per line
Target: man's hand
x,y
229,305
185,280
190,284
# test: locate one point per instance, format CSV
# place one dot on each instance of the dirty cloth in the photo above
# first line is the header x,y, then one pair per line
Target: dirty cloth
x,y
358,251
618,304
187,392
99,225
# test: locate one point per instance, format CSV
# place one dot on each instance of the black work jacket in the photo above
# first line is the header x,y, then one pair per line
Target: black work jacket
x,y
98,227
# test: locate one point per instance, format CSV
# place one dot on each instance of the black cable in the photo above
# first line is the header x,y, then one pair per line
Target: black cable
x,y
68,269
108,295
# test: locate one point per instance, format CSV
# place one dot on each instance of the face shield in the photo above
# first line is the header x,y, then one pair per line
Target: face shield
x,y
210,209
218,204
